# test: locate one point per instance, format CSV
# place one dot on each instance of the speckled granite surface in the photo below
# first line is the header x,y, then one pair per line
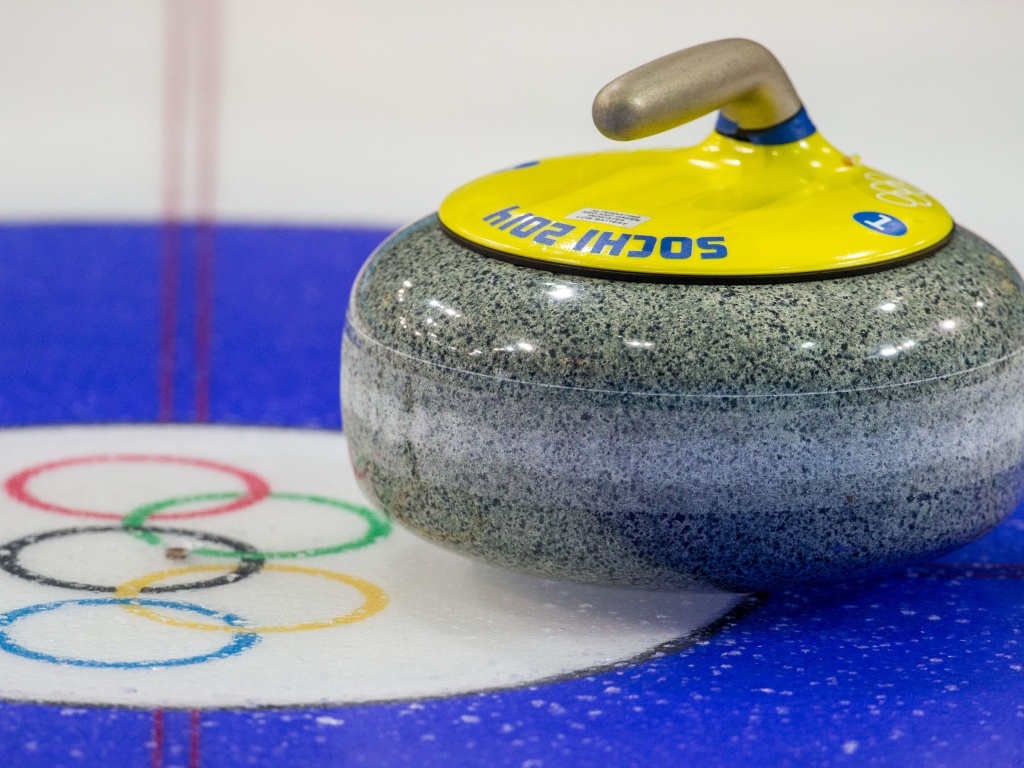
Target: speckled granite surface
x,y
732,436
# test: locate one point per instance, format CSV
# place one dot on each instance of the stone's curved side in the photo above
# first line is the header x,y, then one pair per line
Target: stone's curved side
x,y
682,491
428,297
736,494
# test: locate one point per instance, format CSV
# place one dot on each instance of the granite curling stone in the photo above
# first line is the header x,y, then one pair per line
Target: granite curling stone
x,y
744,423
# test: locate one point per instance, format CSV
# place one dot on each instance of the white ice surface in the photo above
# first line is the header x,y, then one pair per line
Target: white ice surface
x,y
452,625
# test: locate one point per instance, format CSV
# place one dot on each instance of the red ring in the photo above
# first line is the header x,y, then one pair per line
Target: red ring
x,y
17,486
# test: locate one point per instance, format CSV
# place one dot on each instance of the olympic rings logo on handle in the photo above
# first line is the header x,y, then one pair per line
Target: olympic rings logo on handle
x,y
896,192
132,596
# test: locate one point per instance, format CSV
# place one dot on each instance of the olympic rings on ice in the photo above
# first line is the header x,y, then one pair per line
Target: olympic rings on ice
x,y
246,559
377,525
251,562
375,599
241,641
17,485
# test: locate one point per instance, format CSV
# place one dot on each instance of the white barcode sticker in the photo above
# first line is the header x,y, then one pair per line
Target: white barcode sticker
x,y
616,218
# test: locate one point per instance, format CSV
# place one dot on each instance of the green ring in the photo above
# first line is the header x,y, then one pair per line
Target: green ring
x,y
379,526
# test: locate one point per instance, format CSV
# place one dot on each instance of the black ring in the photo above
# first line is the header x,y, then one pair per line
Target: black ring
x,y
247,565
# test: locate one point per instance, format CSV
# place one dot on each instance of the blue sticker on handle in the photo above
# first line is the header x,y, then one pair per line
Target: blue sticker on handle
x,y
881,222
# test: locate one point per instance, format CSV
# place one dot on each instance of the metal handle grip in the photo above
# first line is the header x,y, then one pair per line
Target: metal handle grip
x,y
740,77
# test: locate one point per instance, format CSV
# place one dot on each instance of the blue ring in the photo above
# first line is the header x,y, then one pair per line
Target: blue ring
x,y
240,642
799,126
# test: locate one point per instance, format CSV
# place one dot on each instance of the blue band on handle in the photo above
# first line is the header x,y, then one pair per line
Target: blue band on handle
x,y
799,126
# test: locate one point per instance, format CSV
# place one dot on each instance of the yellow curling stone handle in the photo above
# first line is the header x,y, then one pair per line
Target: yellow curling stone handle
x,y
763,197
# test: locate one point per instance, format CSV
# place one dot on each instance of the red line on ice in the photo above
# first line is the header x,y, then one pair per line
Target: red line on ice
x,y
211,23
193,743
174,101
158,738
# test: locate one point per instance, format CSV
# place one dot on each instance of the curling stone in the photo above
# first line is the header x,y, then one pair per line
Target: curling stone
x,y
743,365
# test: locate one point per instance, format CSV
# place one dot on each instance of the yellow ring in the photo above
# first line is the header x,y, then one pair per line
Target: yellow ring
x,y
375,598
